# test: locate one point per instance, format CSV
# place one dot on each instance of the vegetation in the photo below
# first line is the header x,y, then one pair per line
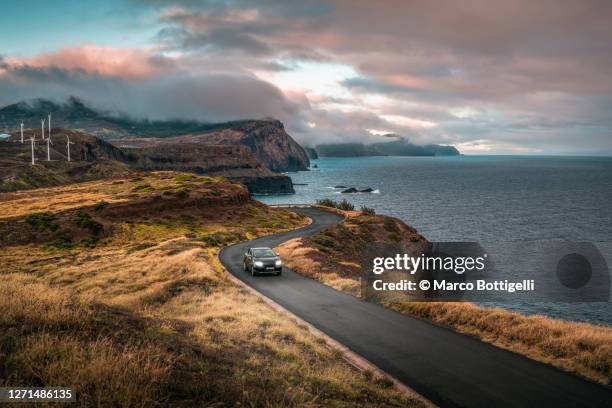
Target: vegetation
x,y
581,348
367,210
327,202
84,220
42,221
343,205
100,205
148,317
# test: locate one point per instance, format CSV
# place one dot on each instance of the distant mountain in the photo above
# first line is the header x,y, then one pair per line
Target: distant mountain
x,y
346,150
266,139
399,147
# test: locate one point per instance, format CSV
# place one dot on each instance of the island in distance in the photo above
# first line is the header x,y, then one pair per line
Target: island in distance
x,y
398,147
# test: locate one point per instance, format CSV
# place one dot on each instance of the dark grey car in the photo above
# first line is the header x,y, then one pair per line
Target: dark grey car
x,y
262,260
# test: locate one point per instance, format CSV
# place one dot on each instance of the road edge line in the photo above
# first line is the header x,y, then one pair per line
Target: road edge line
x,y
352,358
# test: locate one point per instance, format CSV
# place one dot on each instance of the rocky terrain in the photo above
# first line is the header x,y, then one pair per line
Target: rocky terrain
x,y
266,139
93,158
235,162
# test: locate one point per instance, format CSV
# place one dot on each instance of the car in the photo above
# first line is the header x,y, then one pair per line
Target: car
x,y
262,260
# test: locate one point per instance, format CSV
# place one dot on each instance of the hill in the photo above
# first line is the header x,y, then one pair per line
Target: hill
x,y
93,158
114,288
266,139
400,147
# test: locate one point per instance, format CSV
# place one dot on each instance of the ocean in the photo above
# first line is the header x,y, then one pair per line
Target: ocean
x,y
484,199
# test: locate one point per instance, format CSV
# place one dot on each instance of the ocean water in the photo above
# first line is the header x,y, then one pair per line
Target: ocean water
x,y
483,199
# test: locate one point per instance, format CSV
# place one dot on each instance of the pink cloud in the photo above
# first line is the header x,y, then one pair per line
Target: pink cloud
x,y
127,63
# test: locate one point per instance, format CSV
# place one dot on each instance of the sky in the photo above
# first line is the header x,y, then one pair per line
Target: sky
x,y
489,77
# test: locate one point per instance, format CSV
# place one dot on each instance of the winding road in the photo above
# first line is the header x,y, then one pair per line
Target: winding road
x,y
448,368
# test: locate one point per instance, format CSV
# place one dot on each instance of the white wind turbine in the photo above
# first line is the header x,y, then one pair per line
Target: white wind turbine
x,y
49,142
42,127
68,143
32,140
49,121
21,127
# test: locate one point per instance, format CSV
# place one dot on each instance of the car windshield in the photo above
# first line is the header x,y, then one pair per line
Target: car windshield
x,y
263,253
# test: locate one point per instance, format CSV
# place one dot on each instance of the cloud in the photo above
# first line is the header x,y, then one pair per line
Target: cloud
x,y
126,63
511,76
214,97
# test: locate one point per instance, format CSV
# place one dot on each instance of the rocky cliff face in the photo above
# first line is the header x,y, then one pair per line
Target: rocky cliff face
x,y
266,139
234,162
93,158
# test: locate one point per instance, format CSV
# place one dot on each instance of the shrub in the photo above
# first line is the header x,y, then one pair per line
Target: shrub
x,y
368,210
345,205
61,242
327,202
41,221
182,193
83,220
218,239
100,205
324,241
87,242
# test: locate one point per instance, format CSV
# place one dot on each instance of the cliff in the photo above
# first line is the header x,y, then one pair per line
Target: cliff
x,y
234,162
267,139
93,158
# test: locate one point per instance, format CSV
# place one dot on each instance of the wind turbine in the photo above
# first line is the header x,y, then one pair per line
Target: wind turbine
x,y
32,140
49,142
49,125
21,132
42,127
68,143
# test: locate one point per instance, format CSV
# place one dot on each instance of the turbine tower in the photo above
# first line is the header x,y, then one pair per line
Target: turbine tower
x,y
21,132
32,140
49,125
49,148
68,143
42,127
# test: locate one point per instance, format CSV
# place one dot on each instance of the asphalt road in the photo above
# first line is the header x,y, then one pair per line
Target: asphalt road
x,y
448,368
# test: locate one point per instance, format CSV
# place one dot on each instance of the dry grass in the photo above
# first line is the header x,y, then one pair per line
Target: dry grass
x,y
581,348
148,317
66,197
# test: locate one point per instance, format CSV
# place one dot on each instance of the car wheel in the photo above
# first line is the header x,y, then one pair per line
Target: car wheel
x,y
279,273
244,267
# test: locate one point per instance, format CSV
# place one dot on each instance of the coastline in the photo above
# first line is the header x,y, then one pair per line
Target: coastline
x,y
577,347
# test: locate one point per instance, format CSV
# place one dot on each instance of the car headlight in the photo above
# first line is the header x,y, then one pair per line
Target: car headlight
x,y
278,263
258,264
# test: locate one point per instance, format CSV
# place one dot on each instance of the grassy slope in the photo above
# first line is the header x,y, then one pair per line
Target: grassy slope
x,y
580,348
140,313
